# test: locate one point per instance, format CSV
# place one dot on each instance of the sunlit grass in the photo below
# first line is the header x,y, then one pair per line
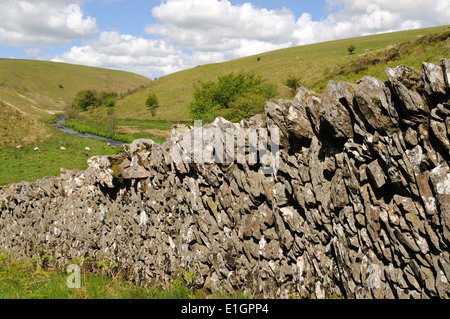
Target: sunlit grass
x,y
314,64
26,164
29,280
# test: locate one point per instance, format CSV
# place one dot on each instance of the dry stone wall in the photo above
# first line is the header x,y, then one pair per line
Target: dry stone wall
x,y
358,208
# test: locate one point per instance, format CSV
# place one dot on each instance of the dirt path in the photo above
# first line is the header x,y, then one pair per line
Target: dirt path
x,y
34,104
13,106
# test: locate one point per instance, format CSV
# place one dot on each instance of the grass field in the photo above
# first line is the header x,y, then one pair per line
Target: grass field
x,y
58,83
25,164
126,131
31,94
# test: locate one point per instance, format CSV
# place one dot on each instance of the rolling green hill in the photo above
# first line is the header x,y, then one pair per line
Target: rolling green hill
x,y
34,91
51,84
31,94
315,64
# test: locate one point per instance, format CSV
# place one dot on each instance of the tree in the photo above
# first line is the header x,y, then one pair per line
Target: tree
x,y
351,49
85,100
110,103
244,107
90,99
152,103
225,96
70,111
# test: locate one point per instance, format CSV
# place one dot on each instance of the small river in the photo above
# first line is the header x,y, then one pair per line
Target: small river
x,y
60,126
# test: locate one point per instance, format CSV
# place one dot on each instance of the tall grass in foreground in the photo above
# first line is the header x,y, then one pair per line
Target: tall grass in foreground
x,y
30,280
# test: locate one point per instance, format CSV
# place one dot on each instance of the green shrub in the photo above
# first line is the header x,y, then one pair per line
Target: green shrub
x,y
152,103
293,82
244,107
233,96
86,99
351,49
90,99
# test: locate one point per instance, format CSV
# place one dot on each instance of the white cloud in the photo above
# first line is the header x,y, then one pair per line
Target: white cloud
x,y
392,15
188,33
125,52
41,23
212,25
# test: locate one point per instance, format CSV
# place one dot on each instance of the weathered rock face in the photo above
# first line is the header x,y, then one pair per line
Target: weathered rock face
x,y
359,206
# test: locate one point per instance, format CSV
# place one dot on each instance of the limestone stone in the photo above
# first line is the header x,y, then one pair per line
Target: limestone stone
x,y
434,79
376,174
403,79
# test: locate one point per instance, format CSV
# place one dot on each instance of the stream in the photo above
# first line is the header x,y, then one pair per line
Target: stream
x,y
60,126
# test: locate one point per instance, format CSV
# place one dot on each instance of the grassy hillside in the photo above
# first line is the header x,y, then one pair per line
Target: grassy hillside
x,y
52,84
315,64
31,94
37,90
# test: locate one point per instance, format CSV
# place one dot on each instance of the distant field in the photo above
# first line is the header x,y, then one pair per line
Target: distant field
x,y
31,94
315,64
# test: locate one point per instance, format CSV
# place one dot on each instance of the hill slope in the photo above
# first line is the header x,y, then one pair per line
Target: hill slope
x,y
315,64
33,91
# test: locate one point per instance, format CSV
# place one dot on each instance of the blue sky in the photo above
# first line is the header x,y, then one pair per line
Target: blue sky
x,y
158,37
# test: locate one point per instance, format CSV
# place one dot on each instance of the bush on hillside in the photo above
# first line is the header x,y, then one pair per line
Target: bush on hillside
x,y
233,96
152,104
91,99
293,82
351,49
86,99
244,107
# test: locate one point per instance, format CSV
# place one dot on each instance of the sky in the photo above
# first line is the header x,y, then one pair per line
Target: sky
x,y
158,37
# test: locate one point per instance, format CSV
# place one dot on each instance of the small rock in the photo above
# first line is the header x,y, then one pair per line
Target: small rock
x,y
374,101
36,149
19,147
87,149
376,174
335,120
403,80
433,77
63,148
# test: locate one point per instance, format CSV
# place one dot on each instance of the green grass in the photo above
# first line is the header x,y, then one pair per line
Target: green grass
x,y
17,165
314,64
100,128
149,124
31,280
90,126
